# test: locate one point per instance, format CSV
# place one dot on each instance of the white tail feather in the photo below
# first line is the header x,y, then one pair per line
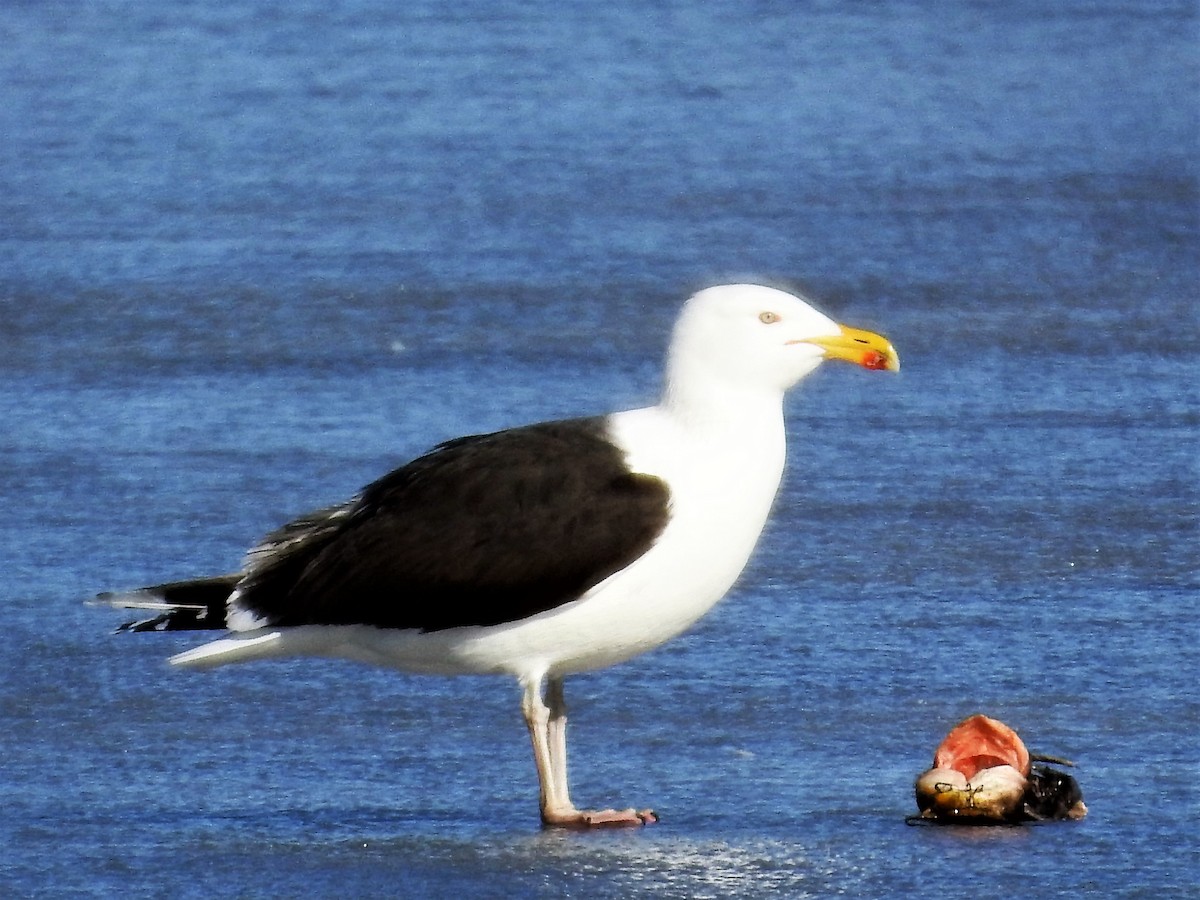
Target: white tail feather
x,y
231,650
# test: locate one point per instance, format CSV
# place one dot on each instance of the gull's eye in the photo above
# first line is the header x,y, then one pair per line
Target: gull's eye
x,y
768,317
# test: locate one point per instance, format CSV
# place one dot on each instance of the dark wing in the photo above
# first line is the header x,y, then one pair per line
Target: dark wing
x,y
482,530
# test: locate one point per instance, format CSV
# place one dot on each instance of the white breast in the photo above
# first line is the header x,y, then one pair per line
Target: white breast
x,y
722,485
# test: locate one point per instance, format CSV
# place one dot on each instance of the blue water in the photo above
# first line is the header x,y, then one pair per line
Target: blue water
x,y
254,254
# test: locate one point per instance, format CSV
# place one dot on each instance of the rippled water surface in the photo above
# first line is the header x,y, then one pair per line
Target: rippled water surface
x,y
252,255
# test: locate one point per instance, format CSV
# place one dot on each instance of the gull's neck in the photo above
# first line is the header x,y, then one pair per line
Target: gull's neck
x,y
714,406
708,402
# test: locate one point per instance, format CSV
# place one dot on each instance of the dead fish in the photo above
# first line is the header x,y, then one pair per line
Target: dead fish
x,y
983,774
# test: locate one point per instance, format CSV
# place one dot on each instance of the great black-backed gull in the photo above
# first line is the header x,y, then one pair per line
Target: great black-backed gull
x,y
542,550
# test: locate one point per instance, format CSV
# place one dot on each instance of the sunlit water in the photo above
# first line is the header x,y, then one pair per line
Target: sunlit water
x,y
253,255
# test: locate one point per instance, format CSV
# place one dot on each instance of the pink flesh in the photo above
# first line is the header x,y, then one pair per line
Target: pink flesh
x,y
981,743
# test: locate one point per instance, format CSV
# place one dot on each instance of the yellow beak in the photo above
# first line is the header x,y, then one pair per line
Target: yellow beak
x,y
864,348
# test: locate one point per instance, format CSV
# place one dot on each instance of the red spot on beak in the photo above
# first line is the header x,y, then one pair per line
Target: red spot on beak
x,y
873,359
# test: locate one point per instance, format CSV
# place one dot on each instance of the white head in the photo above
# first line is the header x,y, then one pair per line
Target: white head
x,y
750,340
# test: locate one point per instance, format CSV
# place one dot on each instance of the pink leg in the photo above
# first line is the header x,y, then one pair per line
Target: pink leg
x,y
547,722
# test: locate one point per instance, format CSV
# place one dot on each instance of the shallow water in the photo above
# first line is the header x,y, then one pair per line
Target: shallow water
x,y
252,257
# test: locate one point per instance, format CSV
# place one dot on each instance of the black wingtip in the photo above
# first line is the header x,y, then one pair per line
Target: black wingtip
x,y
172,620
196,605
